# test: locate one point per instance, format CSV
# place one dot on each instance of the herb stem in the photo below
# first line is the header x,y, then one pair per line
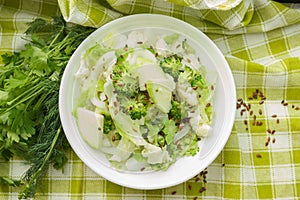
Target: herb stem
x,y
40,169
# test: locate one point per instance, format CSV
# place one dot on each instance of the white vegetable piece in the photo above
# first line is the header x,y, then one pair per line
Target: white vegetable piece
x,y
91,127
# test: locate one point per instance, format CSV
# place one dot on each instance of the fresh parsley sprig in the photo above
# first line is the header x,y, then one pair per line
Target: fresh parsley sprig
x,y
30,126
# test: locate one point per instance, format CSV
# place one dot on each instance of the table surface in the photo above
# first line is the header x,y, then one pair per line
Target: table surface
x,y
260,41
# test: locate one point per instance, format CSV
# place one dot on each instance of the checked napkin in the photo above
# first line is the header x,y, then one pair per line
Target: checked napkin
x,y
261,42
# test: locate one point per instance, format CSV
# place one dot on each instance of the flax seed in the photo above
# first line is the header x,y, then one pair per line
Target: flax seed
x,y
254,95
269,139
260,111
297,108
202,189
261,102
251,112
174,192
245,122
274,115
190,187
273,132
269,130
277,121
267,143
282,102
258,155
293,106
274,140
285,104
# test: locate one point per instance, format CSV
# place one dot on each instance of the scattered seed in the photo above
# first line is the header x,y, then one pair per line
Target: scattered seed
x,y
212,87
285,104
274,115
258,156
269,131
293,106
202,189
245,122
263,98
259,123
260,111
223,165
195,198
177,46
240,100
267,143
254,117
251,112
249,106
274,140
297,108
261,102
197,179
273,132
277,121
253,123
269,139
190,187
174,192
207,105
254,95
139,42
282,102
261,94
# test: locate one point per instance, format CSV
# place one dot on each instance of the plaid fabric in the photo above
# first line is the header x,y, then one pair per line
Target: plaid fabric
x,y
261,42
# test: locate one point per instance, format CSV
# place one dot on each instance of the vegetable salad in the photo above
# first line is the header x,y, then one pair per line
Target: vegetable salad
x,y
143,102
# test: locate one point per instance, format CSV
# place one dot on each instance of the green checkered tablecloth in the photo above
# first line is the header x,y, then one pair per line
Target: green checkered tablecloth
x,y
261,42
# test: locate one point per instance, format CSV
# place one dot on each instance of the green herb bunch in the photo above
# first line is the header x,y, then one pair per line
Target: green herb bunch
x,y
30,126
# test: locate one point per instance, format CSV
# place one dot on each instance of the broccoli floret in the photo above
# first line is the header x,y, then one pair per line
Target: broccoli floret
x,y
108,124
171,65
123,82
137,106
193,77
175,111
198,81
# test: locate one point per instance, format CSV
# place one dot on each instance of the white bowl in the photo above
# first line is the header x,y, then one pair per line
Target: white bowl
x,y
224,105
